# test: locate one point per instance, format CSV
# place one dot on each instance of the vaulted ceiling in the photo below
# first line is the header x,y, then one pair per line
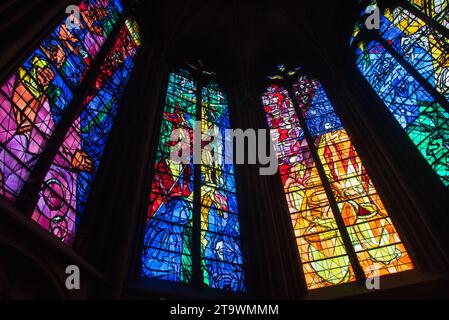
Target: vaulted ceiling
x,y
249,35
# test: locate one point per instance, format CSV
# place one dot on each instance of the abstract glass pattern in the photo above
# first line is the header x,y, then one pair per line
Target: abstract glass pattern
x,y
420,45
422,118
435,9
64,194
373,235
220,232
415,107
34,98
323,254
168,252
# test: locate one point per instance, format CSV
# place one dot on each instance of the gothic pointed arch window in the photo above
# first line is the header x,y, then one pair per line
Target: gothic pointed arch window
x,y
406,62
39,100
342,228
192,232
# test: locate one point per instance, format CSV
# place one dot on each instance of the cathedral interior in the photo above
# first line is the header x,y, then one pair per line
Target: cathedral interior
x,y
356,112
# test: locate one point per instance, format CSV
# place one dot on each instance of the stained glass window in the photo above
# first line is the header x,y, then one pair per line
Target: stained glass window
x,y
436,9
220,244
34,98
418,100
168,231
168,252
325,182
64,194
